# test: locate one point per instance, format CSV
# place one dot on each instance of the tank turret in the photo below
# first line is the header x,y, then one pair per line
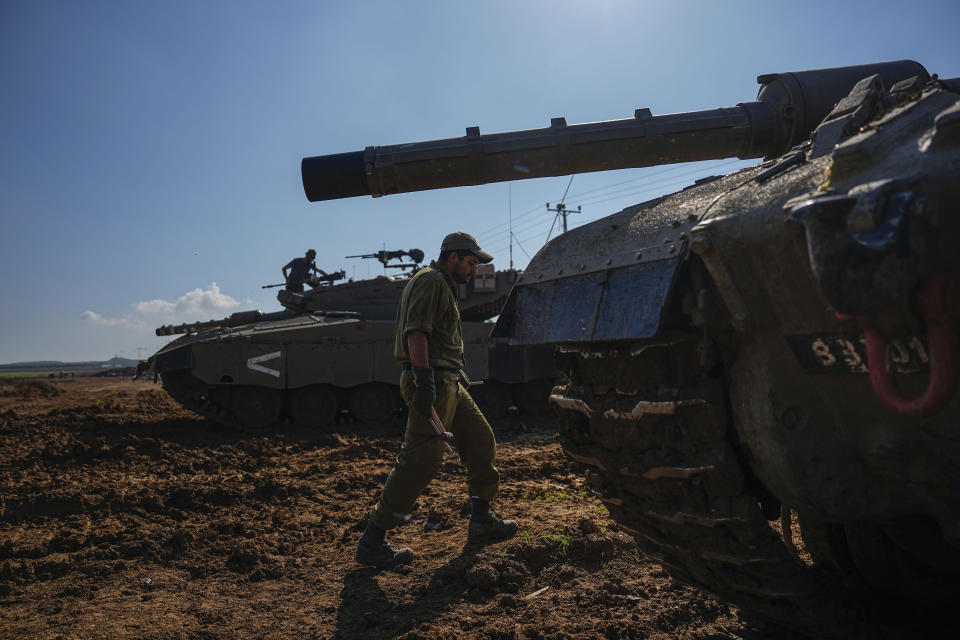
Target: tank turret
x,y
241,318
480,299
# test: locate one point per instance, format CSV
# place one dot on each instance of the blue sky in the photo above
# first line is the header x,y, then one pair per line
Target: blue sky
x,y
149,170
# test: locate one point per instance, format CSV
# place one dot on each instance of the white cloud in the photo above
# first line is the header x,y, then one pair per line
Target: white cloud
x,y
124,322
197,305
196,302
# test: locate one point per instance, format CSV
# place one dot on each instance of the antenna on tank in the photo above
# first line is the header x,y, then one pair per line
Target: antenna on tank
x,y
510,213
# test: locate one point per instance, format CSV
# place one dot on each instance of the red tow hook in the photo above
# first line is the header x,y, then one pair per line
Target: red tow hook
x,y
943,355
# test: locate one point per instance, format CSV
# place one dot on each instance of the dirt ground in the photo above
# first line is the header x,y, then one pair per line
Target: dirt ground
x,y
124,516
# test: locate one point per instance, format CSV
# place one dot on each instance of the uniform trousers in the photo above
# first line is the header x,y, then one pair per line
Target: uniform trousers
x,y
422,451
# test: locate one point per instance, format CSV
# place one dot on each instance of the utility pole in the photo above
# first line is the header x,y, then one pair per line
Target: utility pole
x,y
562,212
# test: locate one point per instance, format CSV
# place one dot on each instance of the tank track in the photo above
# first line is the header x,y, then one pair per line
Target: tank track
x,y
211,403
193,394
653,429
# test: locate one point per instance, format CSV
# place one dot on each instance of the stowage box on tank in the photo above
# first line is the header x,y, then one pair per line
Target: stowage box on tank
x,y
765,362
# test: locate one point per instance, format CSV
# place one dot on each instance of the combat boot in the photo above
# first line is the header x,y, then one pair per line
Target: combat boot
x,y
374,550
486,526
383,555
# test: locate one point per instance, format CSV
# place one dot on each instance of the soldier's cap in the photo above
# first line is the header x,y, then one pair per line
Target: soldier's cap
x,y
311,252
460,241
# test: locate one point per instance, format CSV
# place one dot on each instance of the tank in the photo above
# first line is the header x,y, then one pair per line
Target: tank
x,y
329,354
760,371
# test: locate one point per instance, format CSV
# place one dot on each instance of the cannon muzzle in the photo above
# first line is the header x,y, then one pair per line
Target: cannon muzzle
x,y
788,107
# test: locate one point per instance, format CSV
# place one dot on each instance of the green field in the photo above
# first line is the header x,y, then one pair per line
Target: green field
x,y
27,374
68,373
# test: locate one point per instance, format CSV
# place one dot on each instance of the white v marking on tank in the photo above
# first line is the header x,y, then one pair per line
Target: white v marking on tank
x,y
253,363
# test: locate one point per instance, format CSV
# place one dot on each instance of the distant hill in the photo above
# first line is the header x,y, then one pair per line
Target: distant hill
x,y
43,365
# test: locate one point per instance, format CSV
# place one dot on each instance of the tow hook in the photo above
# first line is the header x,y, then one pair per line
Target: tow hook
x,y
941,335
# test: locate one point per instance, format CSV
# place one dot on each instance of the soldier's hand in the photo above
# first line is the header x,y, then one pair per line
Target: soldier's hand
x,y
425,393
464,379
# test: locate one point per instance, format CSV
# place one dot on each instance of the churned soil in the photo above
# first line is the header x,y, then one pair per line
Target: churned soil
x,y
123,515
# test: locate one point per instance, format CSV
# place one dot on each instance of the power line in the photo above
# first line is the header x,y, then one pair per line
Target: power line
x,y
566,191
520,232
561,210
683,169
665,180
510,208
533,210
498,227
664,188
552,224
521,249
674,177
525,238
671,169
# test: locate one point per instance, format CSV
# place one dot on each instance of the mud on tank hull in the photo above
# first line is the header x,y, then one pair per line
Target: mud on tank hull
x,y
733,419
311,369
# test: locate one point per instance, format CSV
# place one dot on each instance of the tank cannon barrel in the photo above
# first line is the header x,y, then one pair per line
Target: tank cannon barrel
x,y
788,107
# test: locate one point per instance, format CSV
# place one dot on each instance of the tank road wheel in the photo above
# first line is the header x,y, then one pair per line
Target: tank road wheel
x,y
653,428
192,393
256,407
184,388
373,402
906,558
314,406
493,397
533,397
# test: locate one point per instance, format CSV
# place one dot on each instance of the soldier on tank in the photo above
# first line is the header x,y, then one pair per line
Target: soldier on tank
x,y
429,347
300,269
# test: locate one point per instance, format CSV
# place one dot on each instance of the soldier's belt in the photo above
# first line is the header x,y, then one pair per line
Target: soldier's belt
x,y
406,366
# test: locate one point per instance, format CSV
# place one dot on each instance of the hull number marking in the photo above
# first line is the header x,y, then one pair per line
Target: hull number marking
x,y
821,353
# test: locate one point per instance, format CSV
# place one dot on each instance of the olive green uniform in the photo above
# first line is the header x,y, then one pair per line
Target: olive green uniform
x,y
429,304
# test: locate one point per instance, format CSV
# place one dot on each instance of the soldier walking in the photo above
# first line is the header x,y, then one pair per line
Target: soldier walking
x,y
429,347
